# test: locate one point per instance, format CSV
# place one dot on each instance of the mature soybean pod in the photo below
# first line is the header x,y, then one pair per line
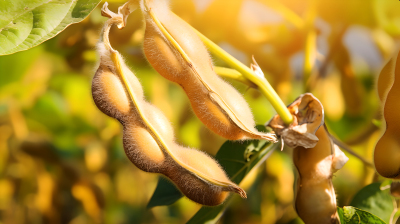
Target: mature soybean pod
x,y
216,103
315,200
110,95
387,150
187,168
315,157
148,137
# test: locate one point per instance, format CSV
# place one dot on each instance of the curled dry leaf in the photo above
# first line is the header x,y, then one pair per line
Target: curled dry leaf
x,y
315,157
308,116
256,68
177,53
148,137
387,149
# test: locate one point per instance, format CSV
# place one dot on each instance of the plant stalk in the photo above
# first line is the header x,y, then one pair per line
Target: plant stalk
x,y
233,74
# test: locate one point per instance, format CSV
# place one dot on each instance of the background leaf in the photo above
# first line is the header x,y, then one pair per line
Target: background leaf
x,y
351,215
165,194
25,24
374,200
341,215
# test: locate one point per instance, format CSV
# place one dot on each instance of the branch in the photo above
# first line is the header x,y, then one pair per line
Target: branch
x,y
233,74
349,150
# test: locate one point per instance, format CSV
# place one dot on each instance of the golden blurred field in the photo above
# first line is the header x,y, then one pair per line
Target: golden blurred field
x,y
62,161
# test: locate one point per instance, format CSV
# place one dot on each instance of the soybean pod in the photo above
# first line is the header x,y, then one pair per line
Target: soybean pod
x,y
148,137
176,52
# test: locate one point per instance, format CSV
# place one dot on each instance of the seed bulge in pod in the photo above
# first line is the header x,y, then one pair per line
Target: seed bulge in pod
x,y
176,52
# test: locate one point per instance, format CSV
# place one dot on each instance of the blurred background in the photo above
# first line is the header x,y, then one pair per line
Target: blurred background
x,y
62,161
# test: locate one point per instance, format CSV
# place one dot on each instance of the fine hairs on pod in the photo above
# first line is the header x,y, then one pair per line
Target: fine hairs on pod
x,y
176,52
148,137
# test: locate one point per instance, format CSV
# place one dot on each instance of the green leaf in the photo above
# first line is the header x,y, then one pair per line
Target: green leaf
x,y
165,194
27,23
385,184
351,215
208,215
341,215
238,159
15,70
374,200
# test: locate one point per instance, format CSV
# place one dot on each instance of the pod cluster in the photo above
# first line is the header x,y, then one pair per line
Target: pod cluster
x,y
176,52
148,137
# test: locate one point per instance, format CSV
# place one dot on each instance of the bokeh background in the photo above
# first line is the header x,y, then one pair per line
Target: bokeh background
x,y
62,161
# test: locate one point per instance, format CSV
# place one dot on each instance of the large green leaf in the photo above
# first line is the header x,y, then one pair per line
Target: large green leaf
x,y
165,194
374,200
27,23
351,215
13,71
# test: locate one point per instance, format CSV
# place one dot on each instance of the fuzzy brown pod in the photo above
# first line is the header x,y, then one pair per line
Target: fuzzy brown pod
x,y
308,116
177,53
315,157
315,199
387,149
148,137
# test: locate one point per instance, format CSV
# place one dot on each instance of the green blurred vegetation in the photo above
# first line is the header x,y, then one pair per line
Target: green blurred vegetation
x,y
62,161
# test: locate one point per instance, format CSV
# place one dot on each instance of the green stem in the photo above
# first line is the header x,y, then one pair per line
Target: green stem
x,y
310,49
233,74
262,83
